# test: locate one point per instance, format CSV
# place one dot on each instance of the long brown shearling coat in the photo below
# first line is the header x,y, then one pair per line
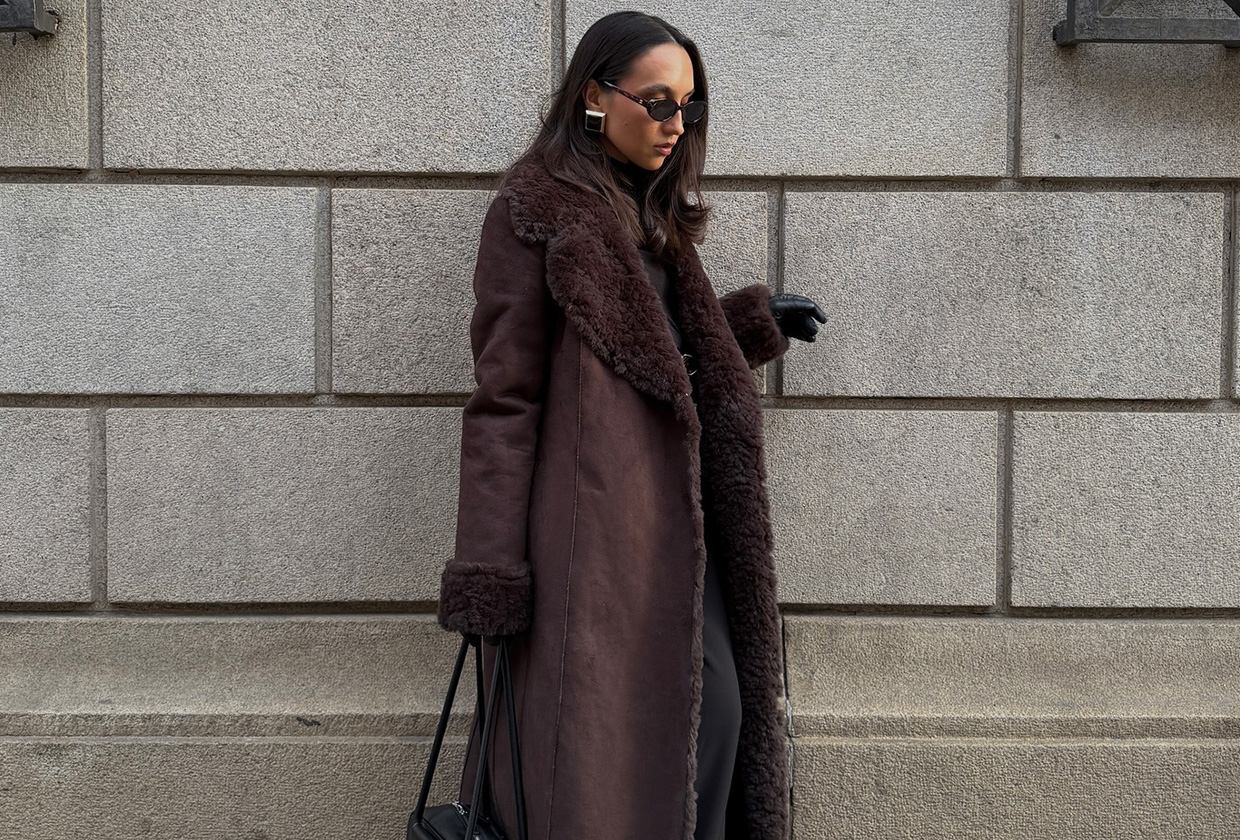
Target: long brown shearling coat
x,y
590,480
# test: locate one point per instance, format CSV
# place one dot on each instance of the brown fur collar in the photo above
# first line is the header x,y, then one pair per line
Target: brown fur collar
x,y
596,274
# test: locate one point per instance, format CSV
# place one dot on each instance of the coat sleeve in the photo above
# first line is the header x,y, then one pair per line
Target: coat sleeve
x,y
750,318
486,586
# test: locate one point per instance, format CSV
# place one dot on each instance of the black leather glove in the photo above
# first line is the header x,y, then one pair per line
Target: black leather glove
x,y
796,314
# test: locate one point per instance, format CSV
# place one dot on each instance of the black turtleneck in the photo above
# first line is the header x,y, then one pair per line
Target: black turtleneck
x,y
635,180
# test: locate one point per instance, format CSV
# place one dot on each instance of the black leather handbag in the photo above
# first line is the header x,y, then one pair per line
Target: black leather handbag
x,y
458,821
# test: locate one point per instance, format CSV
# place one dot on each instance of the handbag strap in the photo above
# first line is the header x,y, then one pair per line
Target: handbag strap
x,y
440,729
482,795
514,747
501,670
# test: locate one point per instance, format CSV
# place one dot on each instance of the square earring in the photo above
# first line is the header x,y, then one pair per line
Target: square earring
x,y
595,120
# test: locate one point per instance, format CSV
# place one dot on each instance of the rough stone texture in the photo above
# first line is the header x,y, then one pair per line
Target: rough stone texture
x,y
359,85
845,88
736,252
228,676
44,505
124,288
880,676
43,119
1124,509
303,788
975,789
1055,294
281,504
888,507
1127,110
402,266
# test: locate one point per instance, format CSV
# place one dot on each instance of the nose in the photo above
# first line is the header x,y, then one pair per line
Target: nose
x,y
674,125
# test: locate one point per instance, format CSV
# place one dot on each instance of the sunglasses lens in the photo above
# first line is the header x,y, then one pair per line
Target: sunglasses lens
x,y
663,109
695,110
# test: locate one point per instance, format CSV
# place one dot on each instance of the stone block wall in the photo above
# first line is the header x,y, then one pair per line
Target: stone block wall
x,y
236,244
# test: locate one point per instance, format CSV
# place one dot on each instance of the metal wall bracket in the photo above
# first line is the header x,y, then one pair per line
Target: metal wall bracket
x,y
30,16
1091,21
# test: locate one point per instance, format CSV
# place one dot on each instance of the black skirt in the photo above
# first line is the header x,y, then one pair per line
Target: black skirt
x,y
721,712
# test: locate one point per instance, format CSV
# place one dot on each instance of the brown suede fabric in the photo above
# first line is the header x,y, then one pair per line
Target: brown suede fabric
x,y
592,472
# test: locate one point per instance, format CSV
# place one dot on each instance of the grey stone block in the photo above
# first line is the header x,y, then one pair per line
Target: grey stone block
x,y
281,504
976,789
1039,294
43,117
119,288
1127,110
228,676
1125,509
376,86
886,507
270,788
880,676
839,88
402,295
44,505
736,252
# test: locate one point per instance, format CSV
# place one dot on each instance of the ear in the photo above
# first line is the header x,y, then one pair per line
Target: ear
x,y
593,95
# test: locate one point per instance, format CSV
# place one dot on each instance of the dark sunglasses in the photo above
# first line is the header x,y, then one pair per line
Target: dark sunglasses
x,y
664,109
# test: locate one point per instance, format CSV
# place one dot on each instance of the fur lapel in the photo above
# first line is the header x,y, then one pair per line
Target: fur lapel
x,y
596,275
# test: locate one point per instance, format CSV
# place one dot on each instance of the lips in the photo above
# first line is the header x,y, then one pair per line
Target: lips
x,y
667,147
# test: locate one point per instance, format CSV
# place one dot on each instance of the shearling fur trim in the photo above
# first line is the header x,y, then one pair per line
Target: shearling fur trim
x,y
739,520
686,412
597,276
753,324
486,599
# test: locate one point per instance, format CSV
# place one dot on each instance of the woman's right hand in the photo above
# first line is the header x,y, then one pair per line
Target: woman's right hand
x,y
796,314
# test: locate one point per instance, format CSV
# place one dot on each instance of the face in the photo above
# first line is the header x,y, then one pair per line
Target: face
x,y
629,133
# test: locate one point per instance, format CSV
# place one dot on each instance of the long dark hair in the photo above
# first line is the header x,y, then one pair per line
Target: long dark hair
x,y
575,156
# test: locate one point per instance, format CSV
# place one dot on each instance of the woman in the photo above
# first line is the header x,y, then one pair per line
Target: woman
x,y
612,515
